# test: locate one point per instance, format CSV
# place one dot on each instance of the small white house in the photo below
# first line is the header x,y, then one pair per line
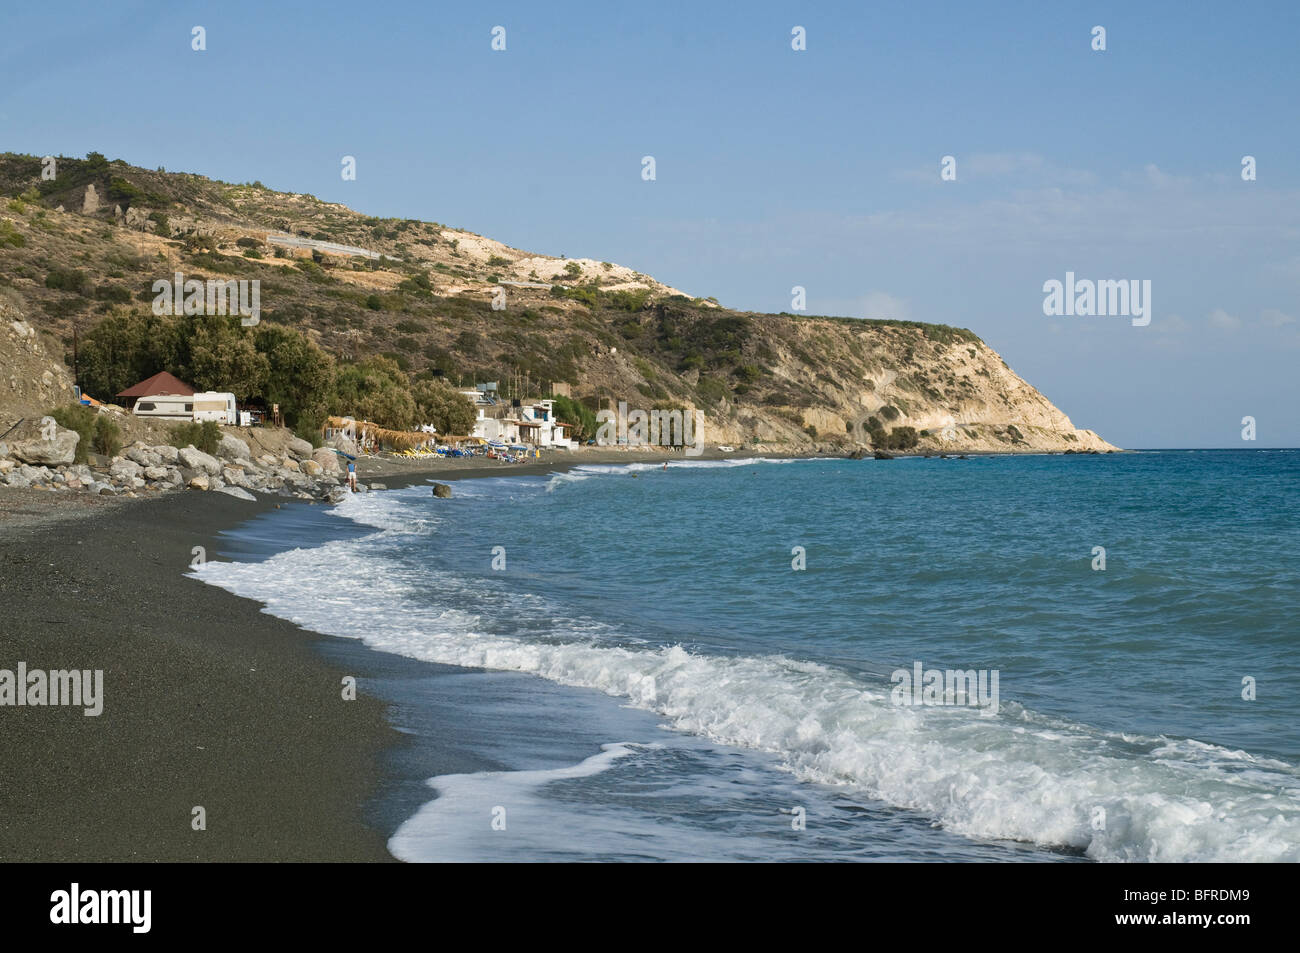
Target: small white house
x,y
538,425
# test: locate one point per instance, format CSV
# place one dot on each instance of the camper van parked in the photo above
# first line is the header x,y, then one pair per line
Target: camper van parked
x,y
165,407
215,405
209,405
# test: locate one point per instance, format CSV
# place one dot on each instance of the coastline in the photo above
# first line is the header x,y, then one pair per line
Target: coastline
x,y
209,701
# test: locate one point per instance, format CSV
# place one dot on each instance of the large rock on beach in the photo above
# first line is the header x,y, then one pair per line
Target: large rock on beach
x,y
123,470
442,490
327,460
41,440
232,448
300,447
198,460
340,442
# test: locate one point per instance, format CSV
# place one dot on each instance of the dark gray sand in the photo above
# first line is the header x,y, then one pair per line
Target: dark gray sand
x,y
208,702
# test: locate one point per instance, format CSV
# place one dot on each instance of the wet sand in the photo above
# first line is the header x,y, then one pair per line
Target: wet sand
x,y
208,702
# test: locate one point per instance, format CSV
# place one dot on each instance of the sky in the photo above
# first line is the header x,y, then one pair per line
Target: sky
x,y
774,168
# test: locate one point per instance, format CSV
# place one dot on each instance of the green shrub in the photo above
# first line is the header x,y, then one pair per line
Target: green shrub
x,y
205,436
70,279
10,236
582,419
114,293
108,436
80,418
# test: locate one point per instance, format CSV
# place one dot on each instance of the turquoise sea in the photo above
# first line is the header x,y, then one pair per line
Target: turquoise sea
x,y
664,683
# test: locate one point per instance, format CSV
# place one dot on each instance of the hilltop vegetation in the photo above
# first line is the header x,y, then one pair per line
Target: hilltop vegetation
x,y
380,335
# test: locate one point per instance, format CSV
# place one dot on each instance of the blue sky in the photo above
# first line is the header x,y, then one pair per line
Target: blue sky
x,y
775,168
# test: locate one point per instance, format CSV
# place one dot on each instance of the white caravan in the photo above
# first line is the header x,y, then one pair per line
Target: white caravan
x,y
215,405
209,405
165,407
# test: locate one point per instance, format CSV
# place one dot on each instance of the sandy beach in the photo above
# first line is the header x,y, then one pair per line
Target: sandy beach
x,y
209,702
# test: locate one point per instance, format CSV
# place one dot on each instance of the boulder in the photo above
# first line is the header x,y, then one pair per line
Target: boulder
x,y
237,493
442,490
311,468
340,442
300,447
143,456
327,460
15,478
337,494
165,453
157,473
41,440
198,460
290,464
199,482
4,449
234,476
122,470
882,455
6,464
379,486
232,448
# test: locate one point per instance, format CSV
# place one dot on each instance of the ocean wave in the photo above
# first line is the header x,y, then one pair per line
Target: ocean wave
x,y
1013,776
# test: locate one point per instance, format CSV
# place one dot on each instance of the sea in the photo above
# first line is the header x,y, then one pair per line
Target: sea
x,y
768,660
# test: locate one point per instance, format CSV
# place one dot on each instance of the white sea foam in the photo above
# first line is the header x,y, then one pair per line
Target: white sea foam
x,y
457,826
1017,776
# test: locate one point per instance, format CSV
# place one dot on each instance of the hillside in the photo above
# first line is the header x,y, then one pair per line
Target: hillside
x,y
89,244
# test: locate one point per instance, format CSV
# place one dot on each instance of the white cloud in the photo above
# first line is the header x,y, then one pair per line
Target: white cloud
x,y
873,304
1221,319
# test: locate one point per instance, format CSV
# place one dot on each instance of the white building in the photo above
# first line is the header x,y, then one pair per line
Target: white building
x,y
539,426
535,425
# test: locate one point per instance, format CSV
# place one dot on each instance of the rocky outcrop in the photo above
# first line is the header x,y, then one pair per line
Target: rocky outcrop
x,y
442,490
299,447
196,459
42,441
142,469
33,378
232,448
327,460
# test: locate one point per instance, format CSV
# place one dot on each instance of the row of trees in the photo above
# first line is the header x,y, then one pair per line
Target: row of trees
x,y
266,362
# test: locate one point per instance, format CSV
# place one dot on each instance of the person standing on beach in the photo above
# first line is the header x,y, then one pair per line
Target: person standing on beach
x,y
352,475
